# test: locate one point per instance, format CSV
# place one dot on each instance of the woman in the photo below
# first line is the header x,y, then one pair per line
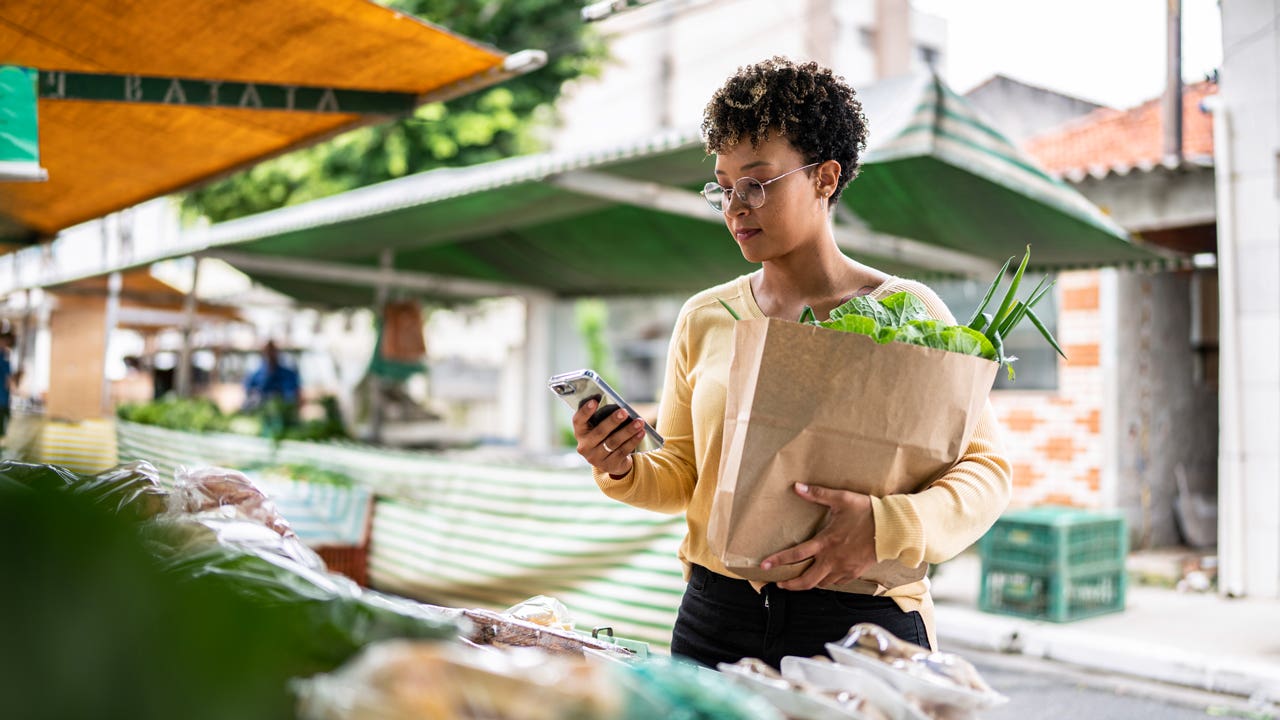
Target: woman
x,y
787,139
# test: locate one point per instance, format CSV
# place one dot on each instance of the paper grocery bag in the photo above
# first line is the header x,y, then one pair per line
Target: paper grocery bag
x,y
808,404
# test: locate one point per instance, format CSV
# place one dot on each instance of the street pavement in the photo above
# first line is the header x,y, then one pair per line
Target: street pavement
x,y
1045,690
1226,649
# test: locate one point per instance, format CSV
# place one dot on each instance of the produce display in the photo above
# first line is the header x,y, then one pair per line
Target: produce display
x,y
943,685
442,681
211,488
542,610
800,699
132,489
275,418
353,653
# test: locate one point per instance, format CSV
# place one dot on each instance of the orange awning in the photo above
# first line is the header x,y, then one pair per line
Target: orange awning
x,y
104,155
162,304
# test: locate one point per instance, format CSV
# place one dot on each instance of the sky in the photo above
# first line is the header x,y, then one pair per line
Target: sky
x,y
1108,51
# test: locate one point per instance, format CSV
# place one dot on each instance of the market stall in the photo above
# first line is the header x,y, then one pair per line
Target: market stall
x,y
122,103
333,650
532,226
460,531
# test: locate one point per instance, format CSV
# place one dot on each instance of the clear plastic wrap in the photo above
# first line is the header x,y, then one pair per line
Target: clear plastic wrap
x,y
677,690
132,489
427,681
542,610
442,681
944,684
330,617
794,697
501,630
209,488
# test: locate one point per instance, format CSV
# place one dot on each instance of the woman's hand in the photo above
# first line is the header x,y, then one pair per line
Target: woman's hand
x,y
607,446
842,550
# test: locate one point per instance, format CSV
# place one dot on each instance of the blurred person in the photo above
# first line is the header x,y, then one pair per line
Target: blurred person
x,y
787,139
6,378
272,380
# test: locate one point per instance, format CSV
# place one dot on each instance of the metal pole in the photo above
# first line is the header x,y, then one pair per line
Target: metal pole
x,y
189,305
386,262
1171,109
114,282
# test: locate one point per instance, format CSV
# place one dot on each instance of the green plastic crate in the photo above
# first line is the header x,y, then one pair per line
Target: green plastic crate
x,y
1057,597
1053,563
1056,539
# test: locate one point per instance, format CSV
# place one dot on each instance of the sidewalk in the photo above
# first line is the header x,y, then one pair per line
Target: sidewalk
x,y
1198,640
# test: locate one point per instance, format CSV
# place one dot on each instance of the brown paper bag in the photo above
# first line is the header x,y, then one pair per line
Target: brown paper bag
x,y
807,404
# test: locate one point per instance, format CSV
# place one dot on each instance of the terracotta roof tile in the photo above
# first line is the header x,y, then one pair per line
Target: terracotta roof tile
x,y
1109,138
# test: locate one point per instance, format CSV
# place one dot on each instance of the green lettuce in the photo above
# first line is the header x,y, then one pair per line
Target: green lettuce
x,y
902,317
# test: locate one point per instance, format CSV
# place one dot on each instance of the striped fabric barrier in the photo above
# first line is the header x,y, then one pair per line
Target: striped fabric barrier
x,y
470,534
320,513
87,446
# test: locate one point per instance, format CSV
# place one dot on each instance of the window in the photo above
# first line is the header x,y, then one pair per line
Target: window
x,y
1037,364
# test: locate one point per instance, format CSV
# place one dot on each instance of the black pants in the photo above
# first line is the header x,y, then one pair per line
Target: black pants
x,y
722,619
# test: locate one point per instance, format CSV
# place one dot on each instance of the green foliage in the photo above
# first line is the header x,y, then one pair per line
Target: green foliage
x,y
906,320
1012,311
476,128
175,413
302,472
734,314
121,618
592,318
903,317
275,418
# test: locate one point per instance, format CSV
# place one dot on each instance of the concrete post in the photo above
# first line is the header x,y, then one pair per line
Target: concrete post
x,y
537,368
182,374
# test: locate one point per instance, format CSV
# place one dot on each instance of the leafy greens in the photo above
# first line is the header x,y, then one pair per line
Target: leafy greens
x,y
902,317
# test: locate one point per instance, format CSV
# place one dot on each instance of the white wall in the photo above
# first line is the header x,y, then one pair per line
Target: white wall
x,y
703,43
1247,140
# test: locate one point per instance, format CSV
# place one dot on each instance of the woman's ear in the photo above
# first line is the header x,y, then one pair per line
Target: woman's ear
x,y
827,178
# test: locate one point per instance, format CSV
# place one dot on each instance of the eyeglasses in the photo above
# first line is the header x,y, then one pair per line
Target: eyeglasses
x,y
749,191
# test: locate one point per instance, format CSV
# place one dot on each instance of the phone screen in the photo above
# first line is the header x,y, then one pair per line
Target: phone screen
x,y
580,387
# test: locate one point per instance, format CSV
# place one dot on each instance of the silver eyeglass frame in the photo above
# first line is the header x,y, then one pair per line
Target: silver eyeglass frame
x,y
728,194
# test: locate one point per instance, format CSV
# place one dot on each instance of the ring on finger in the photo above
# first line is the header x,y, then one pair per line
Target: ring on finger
x,y
606,446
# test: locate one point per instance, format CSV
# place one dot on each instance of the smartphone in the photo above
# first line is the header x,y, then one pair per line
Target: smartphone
x,y
581,386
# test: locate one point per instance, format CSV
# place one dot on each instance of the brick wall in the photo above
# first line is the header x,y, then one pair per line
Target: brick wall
x,y
1054,437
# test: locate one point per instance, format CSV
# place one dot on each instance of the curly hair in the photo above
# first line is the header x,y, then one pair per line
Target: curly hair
x,y
815,110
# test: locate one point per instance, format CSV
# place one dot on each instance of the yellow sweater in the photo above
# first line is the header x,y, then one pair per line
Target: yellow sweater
x,y
932,525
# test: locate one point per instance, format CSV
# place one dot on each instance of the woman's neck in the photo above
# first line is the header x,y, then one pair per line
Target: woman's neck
x,y
816,274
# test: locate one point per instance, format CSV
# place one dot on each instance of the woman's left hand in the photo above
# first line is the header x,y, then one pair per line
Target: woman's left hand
x,y
842,550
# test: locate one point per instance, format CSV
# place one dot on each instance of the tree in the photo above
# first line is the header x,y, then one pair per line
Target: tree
x,y
492,124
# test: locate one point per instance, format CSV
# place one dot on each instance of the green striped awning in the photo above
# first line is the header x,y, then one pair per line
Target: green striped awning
x,y
935,173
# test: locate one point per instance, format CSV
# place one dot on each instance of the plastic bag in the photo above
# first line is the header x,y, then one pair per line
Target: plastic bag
x,y
942,684
193,533
542,610
940,667
209,488
498,629
329,616
132,489
430,681
679,690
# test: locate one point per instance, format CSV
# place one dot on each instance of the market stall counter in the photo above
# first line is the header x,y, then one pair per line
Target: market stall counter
x,y
336,651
